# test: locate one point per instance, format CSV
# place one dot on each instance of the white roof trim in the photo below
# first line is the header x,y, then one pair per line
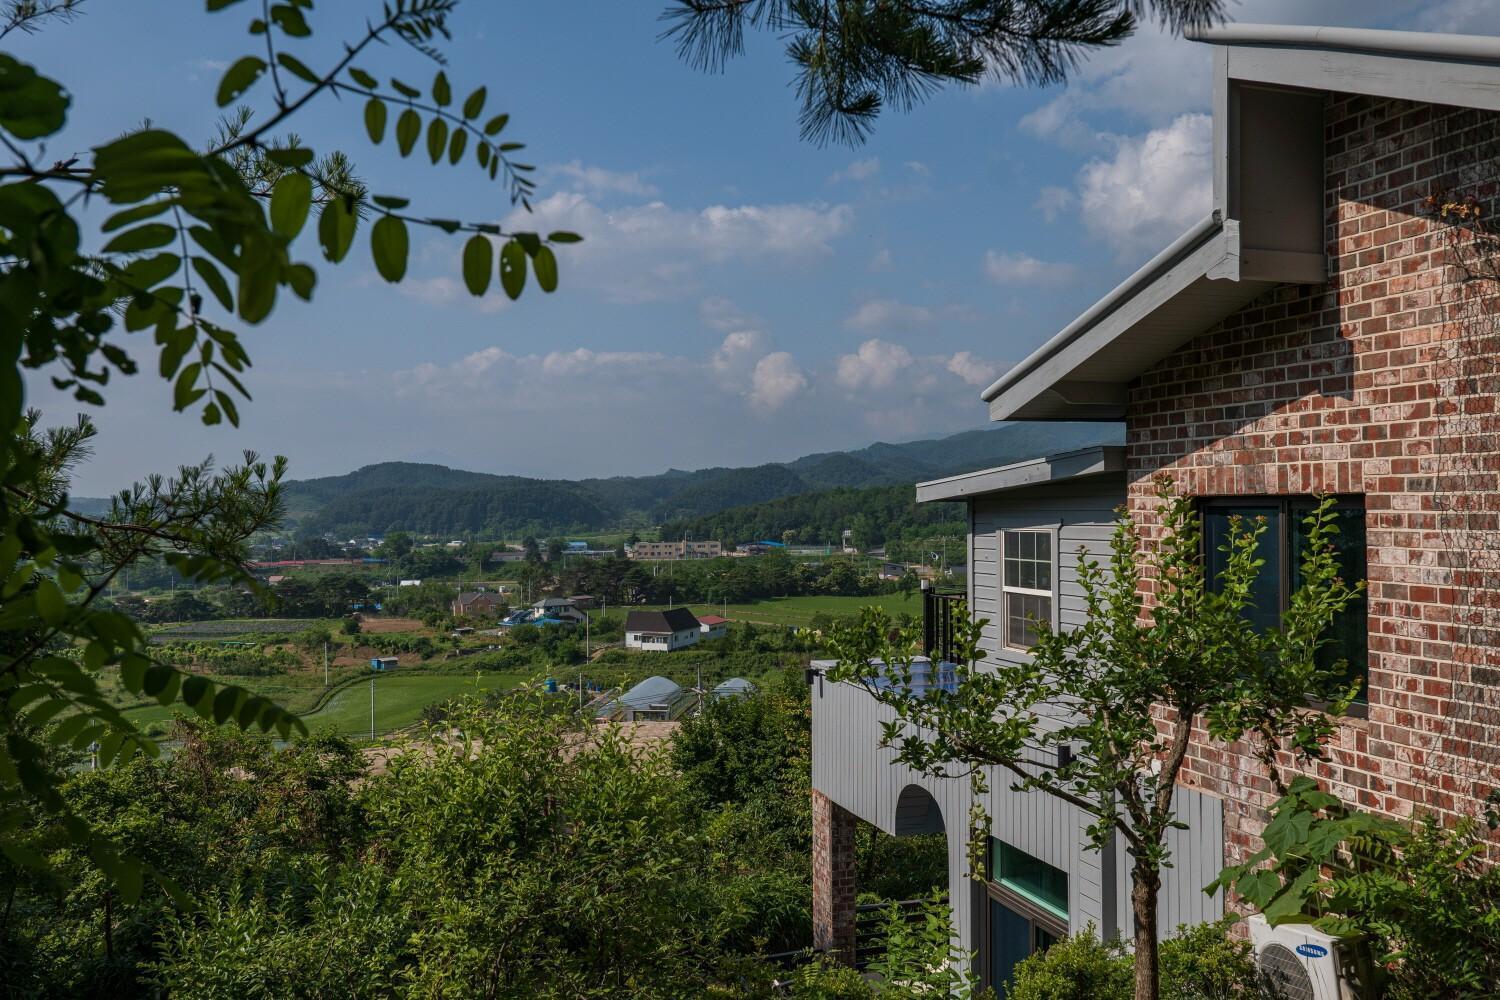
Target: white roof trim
x,y
1413,44
1034,472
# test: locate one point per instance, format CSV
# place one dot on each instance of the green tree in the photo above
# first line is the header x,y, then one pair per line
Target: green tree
x,y
188,240
1100,689
854,58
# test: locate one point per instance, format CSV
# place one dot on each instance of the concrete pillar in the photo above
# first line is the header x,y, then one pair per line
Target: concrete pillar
x,y
833,878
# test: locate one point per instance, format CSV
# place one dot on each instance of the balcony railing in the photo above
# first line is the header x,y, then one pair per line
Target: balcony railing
x,y
940,617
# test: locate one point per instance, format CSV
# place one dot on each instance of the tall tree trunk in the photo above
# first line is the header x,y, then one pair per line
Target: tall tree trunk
x,y
1145,886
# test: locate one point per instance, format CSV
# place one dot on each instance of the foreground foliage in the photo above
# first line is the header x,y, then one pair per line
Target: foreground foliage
x,y
189,241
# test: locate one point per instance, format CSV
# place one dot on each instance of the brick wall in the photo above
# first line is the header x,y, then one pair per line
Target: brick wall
x,y
833,878
1382,383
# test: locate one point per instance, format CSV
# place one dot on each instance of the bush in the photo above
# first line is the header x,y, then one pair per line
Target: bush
x,y
1200,963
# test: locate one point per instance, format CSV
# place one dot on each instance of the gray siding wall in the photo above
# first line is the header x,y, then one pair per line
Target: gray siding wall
x,y
851,770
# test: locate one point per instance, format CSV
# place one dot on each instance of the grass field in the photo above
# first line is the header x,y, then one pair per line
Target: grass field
x,y
799,611
399,700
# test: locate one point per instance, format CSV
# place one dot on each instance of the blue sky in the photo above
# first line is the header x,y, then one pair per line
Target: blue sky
x,y
742,296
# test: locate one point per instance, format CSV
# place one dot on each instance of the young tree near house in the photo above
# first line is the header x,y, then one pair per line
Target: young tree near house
x,y
190,240
856,56
1113,702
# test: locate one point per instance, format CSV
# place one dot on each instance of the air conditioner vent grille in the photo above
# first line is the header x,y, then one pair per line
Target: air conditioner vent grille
x,y
1286,972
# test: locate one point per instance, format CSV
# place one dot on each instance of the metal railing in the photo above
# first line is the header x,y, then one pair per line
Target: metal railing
x,y
940,616
871,925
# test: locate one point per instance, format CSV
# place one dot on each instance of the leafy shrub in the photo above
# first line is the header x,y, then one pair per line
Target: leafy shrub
x,y
1200,963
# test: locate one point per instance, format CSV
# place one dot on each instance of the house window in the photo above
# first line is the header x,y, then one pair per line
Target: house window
x,y
1026,911
1282,547
1026,588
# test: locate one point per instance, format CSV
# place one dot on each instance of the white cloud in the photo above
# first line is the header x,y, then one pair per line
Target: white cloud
x,y
445,291
875,365
1023,269
776,380
859,170
882,260
736,349
652,251
582,359
1051,201
211,65
972,370
1154,187
918,167
720,313
597,180
888,314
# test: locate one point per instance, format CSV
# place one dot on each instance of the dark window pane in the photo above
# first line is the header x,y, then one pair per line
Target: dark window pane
x,y
1022,613
1349,632
1265,593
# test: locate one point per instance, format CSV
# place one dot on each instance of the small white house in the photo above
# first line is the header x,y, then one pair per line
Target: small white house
x,y
662,631
713,626
561,608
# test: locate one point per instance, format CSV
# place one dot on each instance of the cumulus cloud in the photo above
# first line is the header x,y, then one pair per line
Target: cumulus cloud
x,y
445,291
652,251
974,371
875,365
1023,269
597,180
720,313
1052,201
859,170
776,380
736,349
1153,188
582,359
888,314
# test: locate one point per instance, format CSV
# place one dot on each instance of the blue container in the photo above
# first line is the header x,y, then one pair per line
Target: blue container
x,y
550,686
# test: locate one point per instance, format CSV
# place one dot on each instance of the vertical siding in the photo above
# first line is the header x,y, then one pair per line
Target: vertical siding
x,y
1197,857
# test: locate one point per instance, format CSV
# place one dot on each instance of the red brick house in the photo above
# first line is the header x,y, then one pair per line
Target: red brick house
x,y
1330,328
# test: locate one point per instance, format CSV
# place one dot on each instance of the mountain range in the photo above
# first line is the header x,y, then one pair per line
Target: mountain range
x,y
436,499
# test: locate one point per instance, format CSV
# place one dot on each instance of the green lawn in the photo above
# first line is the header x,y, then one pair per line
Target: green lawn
x,y
399,700
799,611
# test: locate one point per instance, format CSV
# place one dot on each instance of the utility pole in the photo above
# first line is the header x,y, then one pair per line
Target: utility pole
x,y
325,664
372,710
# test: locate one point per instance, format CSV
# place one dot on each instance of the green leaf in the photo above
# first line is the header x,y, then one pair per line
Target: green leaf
x,y
512,269
375,119
437,139
290,201
302,279
406,90
31,106
442,94
297,68
478,254
362,78
457,145
390,201
474,104
564,237
50,603
214,280
239,78
544,265
495,124
291,20
408,128
336,229
226,702
388,243
136,214
291,157
147,237
184,390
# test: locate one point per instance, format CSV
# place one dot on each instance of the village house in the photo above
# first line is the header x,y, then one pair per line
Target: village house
x,y
1328,328
662,631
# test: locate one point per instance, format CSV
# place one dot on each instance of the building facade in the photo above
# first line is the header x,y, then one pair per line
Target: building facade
x,y
662,631
670,551
1329,329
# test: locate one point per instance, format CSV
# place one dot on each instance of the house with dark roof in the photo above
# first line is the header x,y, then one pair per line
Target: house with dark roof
x,y
479,604
662,631
1329,328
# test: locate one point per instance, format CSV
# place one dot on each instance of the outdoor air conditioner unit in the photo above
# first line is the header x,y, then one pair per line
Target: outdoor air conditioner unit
x,y
1300,961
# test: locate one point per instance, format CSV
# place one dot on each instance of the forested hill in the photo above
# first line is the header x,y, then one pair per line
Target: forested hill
x,y
435,499
878,515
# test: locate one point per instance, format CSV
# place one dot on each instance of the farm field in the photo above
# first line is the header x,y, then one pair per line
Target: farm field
x,y
799,611
399,700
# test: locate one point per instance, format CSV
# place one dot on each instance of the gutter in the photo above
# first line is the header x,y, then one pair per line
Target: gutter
x,y
1183,246
1413,44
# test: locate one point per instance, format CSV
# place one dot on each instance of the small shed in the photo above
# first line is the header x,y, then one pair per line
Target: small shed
x,y
735,687
383,662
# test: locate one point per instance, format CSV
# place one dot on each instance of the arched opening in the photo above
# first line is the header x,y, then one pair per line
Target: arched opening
x,y
917,812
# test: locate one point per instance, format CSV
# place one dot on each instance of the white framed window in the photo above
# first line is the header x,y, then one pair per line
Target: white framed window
x,y
1026,585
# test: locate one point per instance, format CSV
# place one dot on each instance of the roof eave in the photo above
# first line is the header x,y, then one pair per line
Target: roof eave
x,y
1069,466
